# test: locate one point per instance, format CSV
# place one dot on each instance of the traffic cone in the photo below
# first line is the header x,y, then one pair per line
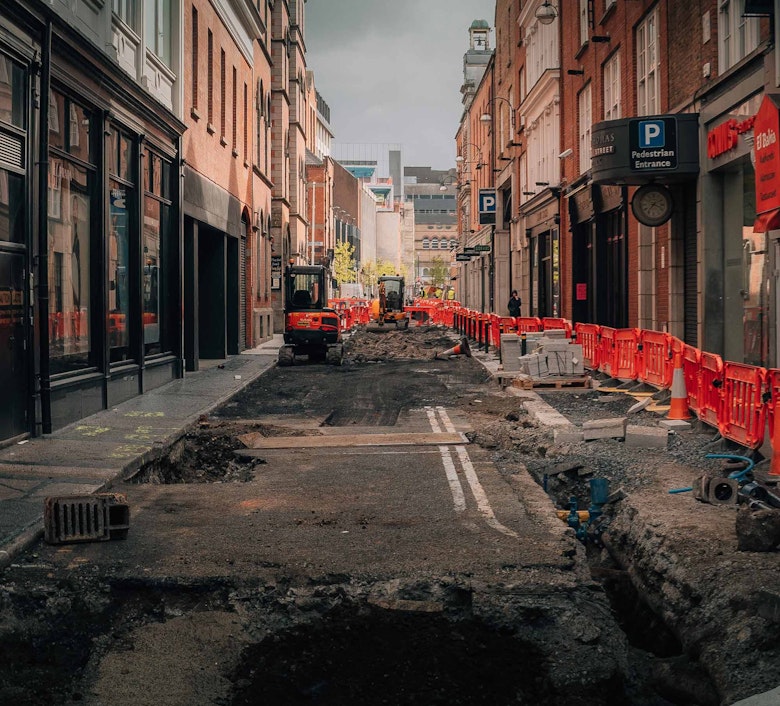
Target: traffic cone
x,y
461,348
679,403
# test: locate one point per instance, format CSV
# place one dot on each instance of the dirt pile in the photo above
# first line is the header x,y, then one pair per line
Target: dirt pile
x,y
422,343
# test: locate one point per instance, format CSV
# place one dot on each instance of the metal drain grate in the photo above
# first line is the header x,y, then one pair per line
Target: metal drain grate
x,y
85,518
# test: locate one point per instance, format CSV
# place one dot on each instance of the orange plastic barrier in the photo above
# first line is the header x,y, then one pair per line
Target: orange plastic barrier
x,y
710,389
692,374
500,325
626,350
607,350
588,336
549,324
773,415
420,315
743,413
528,324
655,354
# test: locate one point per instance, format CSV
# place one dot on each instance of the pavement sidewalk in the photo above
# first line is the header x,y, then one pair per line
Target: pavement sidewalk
x,y
86,456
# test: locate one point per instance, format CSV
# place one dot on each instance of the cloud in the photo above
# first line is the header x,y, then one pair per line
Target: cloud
x,y
392,71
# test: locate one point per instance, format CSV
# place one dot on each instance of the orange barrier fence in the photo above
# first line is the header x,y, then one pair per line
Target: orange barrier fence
x,y
743,412
550,324
692,375
625,353
587,335
710,388
528,324
500,325
607,349
655,356
420,315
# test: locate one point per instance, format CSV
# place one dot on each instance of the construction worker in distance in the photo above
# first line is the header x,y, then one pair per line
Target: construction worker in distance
x,y
382,298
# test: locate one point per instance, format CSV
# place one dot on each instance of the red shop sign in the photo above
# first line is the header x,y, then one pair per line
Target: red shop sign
x,y
725,136
767,147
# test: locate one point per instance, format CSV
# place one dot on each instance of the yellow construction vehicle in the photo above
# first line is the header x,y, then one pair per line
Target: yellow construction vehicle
x,y
388,307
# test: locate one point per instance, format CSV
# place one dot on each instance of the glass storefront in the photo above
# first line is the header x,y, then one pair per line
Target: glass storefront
x,y
72,175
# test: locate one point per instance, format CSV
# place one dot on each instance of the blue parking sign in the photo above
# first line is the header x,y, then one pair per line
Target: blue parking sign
x,y
651,134
487,206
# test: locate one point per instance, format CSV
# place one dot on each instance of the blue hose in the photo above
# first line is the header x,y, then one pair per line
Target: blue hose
x,y
734,475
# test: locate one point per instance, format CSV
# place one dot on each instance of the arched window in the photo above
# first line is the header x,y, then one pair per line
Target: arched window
x,y
435,243
426,243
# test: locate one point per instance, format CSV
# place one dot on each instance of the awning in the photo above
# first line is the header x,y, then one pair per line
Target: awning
x,y
769,220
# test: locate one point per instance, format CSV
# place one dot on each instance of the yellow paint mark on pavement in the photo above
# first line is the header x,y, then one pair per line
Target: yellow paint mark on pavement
x,y
145,414
128,451
87,430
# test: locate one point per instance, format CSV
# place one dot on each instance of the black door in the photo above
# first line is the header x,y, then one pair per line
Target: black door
x,y
13,359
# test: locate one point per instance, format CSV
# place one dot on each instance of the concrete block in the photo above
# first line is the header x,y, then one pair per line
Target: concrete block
x,y
604,429
568,435
534,365
551,345
510,352
674,424
638,437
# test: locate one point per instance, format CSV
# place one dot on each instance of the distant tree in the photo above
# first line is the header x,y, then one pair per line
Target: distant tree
x,y
440,272
344,262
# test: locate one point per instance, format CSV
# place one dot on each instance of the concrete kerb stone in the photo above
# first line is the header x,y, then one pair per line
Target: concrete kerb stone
x,y
604,429
639,437
675,424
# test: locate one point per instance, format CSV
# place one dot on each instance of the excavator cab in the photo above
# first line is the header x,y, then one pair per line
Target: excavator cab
x,y
310,327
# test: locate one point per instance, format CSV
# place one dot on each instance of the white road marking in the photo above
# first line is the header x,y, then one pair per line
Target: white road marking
x,y
458,498
479,494
483,504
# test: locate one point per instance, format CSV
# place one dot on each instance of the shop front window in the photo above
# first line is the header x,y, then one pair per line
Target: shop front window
x,y
157,256
120,245
72,176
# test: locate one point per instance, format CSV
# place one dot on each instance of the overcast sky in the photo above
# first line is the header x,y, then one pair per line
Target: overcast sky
x,y
391,70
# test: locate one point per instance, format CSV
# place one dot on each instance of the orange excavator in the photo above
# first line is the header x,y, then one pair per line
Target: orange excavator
x,y
388,307
310,327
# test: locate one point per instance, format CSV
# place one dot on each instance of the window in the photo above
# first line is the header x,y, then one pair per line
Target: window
x,y
195,58
737,35
210,79
12,93
235,110
585,121
583,21
434,243
426,243
159,257
612,88
122,197
125,11
246,123
72,179
158,29
648,91
222,90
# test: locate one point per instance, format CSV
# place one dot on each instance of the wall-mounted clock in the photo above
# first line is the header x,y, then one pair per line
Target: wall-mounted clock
x,y
652,204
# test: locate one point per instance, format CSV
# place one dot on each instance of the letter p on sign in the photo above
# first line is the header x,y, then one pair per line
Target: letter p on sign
x,y
651,134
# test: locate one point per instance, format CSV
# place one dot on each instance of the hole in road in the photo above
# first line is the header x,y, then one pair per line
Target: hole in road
x,y
376,656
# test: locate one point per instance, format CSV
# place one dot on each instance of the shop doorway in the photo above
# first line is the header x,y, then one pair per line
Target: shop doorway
x,y
13,361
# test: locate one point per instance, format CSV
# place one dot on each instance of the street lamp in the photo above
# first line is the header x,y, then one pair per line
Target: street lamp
x,y
487,117
460,159
452,180
546,13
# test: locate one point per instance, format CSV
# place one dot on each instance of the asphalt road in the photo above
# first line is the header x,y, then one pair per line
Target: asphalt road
x,y
382,502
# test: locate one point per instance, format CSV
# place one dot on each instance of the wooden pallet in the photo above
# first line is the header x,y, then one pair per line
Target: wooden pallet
x,y
556,382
